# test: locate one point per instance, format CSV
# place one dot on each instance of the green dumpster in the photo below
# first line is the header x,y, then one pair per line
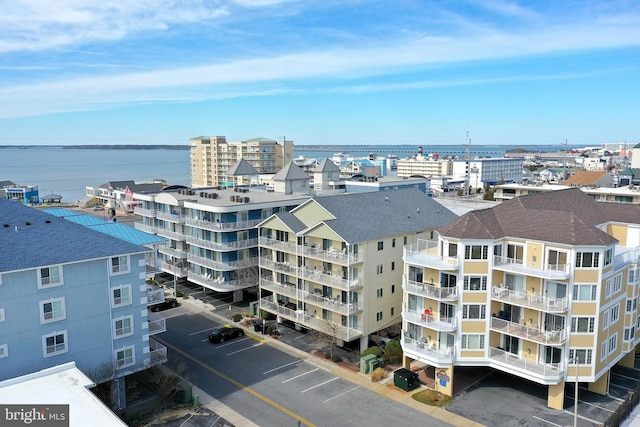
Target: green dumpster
x,y
405,379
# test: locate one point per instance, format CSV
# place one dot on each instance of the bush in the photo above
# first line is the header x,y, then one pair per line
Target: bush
x,y
375,350
378,374
179,294
236,317
393,351
432,397
336,358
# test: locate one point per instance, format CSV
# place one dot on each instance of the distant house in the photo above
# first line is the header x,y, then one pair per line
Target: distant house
x,y
597,179
26,194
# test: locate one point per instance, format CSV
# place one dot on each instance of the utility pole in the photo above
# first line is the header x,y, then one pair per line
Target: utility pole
x,y
468,163
565,159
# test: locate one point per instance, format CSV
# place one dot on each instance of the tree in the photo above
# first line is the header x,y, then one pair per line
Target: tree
x,y
164,381
326,336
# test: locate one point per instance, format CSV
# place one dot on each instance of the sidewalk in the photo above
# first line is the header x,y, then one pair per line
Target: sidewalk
x,y
385,388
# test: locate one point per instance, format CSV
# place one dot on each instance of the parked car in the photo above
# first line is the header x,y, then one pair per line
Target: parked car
x,y
167,303
224,333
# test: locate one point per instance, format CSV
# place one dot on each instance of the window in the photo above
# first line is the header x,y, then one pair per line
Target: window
x,y
582,324
608,288
583,356
615,314
472,342
608,256
393,243
379,292
119,264
474,311
393,289
125,357
52,310
617,283
379,269
629,333
380,246
393,311
475,283
393,265
2,315
50,276
587,259
55,343
633,275
476,252
405,240
4,350
603,350
613,343
632,304
605,320
379,316
121,295
584,292
448,280
122,327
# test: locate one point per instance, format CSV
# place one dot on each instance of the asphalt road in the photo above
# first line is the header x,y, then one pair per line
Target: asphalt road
x,y
274,388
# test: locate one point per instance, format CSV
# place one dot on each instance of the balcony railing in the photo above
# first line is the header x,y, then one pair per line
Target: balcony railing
x,y
428,352
154,295
429,291
157,324
215,225
170,234
556,337
172,269
545,271
545,373
341,332
538,302
158,352
279,288
173,252
169,217
425,254
220,265
430,321
632,256
310,251
281,267
218,285
335,280
144,212
146,228
222,246
314,298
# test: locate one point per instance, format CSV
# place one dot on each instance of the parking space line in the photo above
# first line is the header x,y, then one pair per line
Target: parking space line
x,y
341,394
545,421
316,386
228,343
204,330
624,376
620,386
246,348
594,405
280,367
301,375
583,417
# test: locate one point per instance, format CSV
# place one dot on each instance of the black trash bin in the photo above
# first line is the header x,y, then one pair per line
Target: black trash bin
x,y
406,379
257,327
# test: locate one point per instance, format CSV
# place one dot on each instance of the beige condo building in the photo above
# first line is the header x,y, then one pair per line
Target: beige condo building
x,y
213,156
543,287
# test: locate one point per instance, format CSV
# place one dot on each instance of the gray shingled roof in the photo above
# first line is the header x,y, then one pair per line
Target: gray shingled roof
x,y
567,216
290,172
242,168
42,239
362,217
327,166
291,221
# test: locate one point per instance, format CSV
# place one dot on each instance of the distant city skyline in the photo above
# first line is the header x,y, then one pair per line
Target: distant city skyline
x,y
361,72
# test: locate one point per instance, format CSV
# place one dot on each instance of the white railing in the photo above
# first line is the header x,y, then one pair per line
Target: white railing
x,y
282,267
154,295
170,234
541,336
144,212
428,352
172,252
429,291
158,352
425,253
279,288
222,246
314,298
215,283
546,271
509,362
430,321
157,324
342,257
220,265
632,256
146,228
335,280
530,300
220,225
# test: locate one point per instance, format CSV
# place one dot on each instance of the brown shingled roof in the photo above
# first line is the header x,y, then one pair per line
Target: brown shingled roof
x,y
585,178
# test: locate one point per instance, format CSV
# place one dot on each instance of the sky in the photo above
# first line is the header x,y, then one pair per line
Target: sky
x,y
326,72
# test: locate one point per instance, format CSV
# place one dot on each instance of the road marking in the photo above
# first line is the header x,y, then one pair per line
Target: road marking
x,y
624,376
228,343
204,330
316,386
618,385
247,348
342,394
236,383
298,376
280,367
545,421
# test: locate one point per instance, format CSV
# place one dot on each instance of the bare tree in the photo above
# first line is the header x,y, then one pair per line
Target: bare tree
x,y
327,335
164,380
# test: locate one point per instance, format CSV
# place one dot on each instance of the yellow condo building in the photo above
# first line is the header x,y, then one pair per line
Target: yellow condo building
x,y
542,287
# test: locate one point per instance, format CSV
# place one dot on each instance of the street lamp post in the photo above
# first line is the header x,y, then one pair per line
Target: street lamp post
x,y
575,404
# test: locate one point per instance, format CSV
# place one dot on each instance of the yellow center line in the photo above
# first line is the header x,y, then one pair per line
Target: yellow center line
x,y
236,383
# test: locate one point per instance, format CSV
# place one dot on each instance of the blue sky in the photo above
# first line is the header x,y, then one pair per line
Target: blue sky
x,y
320,72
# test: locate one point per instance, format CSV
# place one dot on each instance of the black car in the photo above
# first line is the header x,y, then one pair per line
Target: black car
x,y
225,333
167,303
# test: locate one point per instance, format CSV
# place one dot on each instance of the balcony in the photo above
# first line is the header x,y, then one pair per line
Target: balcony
x,y
154,294
279,245
543,373
220,285
279,288
218,226
552,338
222,265
169,217
170,234
280,267
298,316
146,228
543,271
144,212
157,324
428,353
535,301
315,298
445,324
334,280
173,252
152,265
158,353
429,291
172,269
629,257
425,254
222,246
310,251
